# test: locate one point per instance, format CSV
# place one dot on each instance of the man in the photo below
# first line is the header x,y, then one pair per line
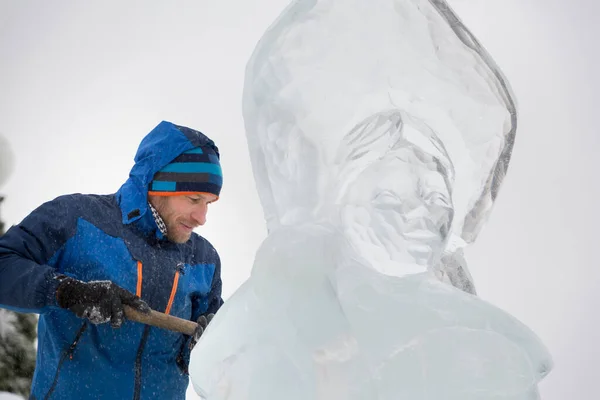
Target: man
x,y
78,259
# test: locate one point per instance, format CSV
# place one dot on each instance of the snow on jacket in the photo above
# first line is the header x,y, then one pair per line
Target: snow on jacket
x,y
111,237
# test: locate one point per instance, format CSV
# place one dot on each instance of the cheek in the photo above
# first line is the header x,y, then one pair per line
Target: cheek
x,y
184,216
171,218
178,212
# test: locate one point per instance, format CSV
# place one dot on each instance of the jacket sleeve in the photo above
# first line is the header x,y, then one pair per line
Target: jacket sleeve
x,y
213,301
29,252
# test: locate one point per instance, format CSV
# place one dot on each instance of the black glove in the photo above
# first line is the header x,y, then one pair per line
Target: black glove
x,y
98,301
202,322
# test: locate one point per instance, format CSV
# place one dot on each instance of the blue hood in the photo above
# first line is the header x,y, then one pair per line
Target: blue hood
x,y
163,144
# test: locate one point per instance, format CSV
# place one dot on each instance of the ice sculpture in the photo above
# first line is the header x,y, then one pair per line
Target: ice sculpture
x,y
379,133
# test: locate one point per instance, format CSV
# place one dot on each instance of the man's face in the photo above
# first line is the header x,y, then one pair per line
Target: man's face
x,y
182,213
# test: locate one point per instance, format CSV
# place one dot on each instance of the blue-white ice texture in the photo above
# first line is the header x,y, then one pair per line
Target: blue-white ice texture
x,y
379,132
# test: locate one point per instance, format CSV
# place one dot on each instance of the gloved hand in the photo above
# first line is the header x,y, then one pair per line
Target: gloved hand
x,y
202,322
98,301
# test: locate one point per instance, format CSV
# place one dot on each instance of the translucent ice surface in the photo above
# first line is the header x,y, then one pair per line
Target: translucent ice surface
x,y
379,133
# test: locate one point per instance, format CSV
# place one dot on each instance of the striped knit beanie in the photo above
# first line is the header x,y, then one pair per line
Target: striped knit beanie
x,y
195,171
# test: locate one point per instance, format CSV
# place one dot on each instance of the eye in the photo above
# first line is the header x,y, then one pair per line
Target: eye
x,y
200,200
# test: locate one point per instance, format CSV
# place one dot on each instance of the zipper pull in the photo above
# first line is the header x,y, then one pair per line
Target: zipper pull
x,y
181,268
73,345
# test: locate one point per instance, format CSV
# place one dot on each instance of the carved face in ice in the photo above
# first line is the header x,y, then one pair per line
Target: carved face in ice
x,y
394,195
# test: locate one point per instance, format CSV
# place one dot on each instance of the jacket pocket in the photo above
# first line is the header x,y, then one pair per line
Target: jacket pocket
x,y
67,353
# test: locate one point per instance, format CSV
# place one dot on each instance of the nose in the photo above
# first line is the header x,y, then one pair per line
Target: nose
x,y
199,214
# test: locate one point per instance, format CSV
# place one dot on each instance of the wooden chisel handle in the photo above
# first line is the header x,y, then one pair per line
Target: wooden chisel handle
x,y
161,320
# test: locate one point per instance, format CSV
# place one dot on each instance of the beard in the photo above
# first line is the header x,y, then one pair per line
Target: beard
x,y
175,231
175,235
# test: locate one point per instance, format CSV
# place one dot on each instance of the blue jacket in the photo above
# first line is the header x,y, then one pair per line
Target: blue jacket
x,y
113,237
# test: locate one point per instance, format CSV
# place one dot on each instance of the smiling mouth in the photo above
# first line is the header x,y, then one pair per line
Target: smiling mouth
x,y
189,228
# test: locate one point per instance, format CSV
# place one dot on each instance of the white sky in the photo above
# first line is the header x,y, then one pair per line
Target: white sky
x,y
82,82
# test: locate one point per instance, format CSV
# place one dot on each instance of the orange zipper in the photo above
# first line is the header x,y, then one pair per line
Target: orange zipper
x,y
138,290
173,291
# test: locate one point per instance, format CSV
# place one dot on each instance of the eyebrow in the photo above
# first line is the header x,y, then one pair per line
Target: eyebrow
x,y
201,197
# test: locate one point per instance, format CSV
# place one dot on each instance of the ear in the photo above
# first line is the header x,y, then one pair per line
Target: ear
x,y
156,201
